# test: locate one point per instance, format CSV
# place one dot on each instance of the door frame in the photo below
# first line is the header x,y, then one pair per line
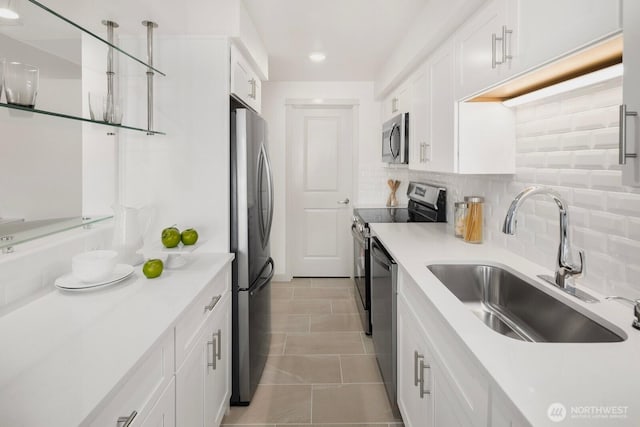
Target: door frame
x,y
297,103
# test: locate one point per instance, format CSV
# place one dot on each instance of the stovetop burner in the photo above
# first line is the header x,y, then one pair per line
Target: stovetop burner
x,y
378,215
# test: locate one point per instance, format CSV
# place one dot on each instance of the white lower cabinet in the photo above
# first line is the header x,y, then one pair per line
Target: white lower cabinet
x,y
439,382
163,413
414,385
203,379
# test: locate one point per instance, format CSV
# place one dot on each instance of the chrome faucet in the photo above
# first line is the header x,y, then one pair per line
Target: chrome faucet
x,y
565,267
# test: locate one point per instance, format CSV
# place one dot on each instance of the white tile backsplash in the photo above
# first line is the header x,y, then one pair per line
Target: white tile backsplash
x,y
568,142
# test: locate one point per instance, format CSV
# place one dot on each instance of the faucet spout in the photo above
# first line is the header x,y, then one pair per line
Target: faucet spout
x,y
565,268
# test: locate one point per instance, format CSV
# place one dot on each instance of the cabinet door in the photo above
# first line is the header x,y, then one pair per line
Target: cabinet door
x,y
419,120
548,29
416,410
190,381
217,389
163,413
447,412
245,84
475,50
441,149
631,93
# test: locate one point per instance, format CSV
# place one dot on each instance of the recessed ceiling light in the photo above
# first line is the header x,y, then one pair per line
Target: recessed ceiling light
x,y
317,56
8,14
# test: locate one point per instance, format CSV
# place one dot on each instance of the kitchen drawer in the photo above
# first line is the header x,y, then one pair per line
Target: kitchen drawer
x,y
458,366
195,316
143,387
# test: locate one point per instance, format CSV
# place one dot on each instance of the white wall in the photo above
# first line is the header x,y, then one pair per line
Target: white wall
x,y
568,142
185,174
274,96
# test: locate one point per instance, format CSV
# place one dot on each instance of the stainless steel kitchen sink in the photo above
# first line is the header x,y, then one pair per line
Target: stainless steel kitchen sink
x,y
514,307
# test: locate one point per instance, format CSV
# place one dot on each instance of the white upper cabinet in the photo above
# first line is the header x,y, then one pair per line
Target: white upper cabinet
x,y
419,120
245,83
476,138
509,37
482,50
397,102
440,151
630,109
548,29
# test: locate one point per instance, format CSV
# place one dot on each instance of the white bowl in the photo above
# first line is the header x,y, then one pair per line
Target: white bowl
x,y
94,266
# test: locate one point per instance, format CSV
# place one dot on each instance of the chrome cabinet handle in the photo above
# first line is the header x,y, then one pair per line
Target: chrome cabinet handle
x,y
416,357
622,141
211,343
423,366
494,62
219,344
394,105
344,202
506,56
213,303
252,83
126,421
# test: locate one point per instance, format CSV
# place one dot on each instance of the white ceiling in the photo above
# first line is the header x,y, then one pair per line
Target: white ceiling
x,y
356,35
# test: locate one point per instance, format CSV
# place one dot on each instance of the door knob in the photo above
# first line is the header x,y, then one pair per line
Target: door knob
x,y
344,202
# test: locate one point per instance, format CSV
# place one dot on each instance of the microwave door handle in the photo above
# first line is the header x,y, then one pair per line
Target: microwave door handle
x,y
393,128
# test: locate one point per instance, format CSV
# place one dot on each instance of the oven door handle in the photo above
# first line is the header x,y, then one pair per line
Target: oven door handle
x,y
381,258
359,237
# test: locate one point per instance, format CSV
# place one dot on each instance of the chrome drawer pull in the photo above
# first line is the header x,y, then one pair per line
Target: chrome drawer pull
x,y
126,421
219,342
622,141
423,366
416,357
211,343
213,303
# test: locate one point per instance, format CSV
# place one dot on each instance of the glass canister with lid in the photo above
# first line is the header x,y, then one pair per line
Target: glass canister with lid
x,y
473,229
460,217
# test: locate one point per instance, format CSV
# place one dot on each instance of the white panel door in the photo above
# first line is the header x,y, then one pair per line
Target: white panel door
x,y
320,188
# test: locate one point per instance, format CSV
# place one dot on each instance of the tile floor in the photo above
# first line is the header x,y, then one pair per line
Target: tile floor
x,y
321,371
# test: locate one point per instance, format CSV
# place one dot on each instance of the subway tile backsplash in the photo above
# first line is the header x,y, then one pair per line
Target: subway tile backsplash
x,y
568,142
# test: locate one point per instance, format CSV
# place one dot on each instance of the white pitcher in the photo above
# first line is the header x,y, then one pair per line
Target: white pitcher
x,y
131,224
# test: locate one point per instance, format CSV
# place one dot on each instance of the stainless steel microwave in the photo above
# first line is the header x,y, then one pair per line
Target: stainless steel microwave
x,y
395,140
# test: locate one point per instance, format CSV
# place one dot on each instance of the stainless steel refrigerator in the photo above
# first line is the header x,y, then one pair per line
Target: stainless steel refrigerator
x,y
253,268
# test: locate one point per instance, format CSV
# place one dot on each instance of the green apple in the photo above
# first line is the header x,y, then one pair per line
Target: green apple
x,y
170,237
189,237
153,268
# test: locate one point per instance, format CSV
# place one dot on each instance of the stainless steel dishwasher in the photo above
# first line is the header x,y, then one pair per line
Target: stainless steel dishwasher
x,y
383,315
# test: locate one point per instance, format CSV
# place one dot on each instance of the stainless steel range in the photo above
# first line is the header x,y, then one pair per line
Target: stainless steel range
x,y
427,203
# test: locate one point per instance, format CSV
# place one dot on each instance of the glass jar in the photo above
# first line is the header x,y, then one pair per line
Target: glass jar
x,y
474,221
460,216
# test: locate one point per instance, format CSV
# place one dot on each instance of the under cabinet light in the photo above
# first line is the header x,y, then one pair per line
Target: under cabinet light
x,y
8,10
568,85
317,56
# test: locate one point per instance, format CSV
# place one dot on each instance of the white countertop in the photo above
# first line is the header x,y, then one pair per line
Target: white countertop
x,y
63,353
533,375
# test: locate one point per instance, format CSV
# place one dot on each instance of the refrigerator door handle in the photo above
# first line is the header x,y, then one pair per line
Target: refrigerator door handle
x,y
270,192
257,288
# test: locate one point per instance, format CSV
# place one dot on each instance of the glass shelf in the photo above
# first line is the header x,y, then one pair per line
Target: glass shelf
x,y
82,119
15,232
86,31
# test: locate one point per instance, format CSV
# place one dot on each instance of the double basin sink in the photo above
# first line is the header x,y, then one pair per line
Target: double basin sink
x,y
511,305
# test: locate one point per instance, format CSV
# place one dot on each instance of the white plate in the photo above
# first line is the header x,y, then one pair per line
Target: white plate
x,y
69,282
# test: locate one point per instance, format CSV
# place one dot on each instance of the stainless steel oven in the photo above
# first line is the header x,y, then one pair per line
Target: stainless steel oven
x,y
360,233
427,203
